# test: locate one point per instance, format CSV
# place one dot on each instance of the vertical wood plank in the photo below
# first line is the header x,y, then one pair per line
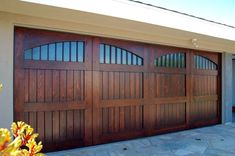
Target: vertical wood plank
x,y
122,85
33,120
32,85
56,126
137,85
48,127
138,118
133,119
40,85
127,85
77,124
63,125
132,85
48,86
111,121
77,85
105,85
122,119
105,120
26,85
116,85
116,119
83,83
56,85
111,85
62,84
70,86
40,125
26,117
70,124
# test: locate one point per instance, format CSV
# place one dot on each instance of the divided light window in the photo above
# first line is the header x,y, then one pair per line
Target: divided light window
x,y
204,63
68,51
176,60
110,54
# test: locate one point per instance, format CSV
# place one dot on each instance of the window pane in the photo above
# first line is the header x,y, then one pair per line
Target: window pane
x,y
81,52
52,52
113,55
129,58
214,67
198,62
171,60
59,49
203,63
140,61
195,61
28,54
36,53
163,61
124,57
206,64
44,52
107,54
66,51
101,53
119,58
167,60
183,60
178,61
175,60
73,51
159,62
210,65
134,60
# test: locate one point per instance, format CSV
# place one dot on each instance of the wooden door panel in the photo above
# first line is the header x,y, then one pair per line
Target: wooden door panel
x,y
169,115
205,103
120,85
56,86
169,85
118,93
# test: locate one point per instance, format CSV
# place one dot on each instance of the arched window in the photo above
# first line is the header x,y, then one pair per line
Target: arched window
x,y
204,63
110,54
68,51
175,60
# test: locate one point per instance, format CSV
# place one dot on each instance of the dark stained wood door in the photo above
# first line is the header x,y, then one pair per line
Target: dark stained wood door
x,y
80,90
53,86
118,90
206,89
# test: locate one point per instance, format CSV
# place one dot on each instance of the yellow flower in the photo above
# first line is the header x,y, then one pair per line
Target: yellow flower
x,y
34,148
24,136
5,138
13,149
18,128
24,131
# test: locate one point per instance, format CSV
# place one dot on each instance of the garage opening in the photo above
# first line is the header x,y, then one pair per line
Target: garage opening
x,y
78,90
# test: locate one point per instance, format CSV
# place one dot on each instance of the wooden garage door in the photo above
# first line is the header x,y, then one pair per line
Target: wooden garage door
x,y
80,90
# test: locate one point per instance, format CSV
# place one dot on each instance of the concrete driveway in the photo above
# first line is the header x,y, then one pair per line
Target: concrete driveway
x,y
218,140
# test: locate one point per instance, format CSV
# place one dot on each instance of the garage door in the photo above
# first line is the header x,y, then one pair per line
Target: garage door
x,y
80,90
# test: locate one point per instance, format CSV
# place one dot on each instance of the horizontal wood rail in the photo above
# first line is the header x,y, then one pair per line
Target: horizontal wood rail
x,y
52,106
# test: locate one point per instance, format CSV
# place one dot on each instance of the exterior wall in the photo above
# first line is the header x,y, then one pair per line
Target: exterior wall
x,y
227,89
233,81
145,33
6,72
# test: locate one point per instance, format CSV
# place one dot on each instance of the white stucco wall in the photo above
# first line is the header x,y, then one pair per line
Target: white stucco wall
x,y
233,86
6,72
